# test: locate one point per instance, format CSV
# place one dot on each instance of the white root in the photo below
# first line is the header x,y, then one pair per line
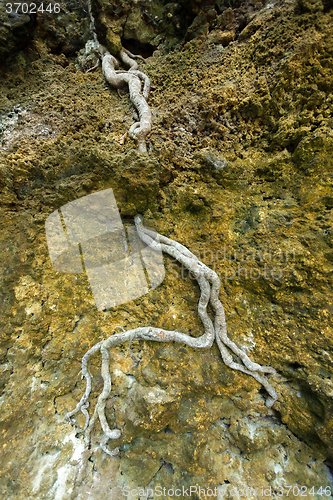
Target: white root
x,y
209,284
134,79
118,78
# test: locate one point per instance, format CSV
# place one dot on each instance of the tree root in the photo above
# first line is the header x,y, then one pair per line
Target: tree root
x,y
118,78
134,78
209,284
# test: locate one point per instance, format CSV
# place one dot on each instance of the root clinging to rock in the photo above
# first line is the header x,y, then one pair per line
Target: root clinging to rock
x,y
209,284
134,78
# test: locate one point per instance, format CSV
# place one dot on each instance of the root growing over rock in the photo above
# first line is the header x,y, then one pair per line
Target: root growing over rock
x,y
118,78
209,284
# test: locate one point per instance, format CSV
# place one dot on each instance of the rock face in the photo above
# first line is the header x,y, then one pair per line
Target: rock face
x,y
62,30
239,170
15,31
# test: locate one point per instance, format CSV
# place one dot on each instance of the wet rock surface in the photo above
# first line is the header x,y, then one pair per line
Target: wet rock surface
x,y
239,169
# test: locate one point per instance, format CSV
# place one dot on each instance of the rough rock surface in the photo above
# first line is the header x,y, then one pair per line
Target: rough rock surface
x,y
239,170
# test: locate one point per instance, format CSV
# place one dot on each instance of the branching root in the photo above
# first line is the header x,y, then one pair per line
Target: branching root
x,y
209,284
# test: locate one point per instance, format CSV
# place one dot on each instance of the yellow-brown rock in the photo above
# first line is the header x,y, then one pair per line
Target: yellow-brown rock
x,y
239,170
113,42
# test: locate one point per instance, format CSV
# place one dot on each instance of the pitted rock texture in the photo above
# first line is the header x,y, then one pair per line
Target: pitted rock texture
x,y
239,170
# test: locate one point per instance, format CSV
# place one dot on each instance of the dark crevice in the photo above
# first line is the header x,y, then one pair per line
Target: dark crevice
x,y
168,466
329,465
167,430
295,366
143,49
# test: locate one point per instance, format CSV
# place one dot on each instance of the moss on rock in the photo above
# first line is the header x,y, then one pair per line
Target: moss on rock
x,y
240,171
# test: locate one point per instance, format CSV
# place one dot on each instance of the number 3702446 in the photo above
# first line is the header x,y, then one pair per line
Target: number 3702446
x,y
32,8
304,491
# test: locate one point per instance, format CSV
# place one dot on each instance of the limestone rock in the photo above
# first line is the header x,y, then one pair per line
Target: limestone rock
x,y
239,169
113,42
